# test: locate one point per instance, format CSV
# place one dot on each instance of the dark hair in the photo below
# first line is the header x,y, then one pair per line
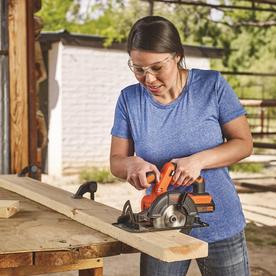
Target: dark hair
x,y
156,34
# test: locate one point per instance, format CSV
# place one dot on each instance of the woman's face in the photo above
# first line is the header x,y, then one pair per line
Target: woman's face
x,y
158,72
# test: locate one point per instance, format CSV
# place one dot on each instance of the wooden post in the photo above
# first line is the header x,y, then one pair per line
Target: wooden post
x,y
23,127
17,23
262,118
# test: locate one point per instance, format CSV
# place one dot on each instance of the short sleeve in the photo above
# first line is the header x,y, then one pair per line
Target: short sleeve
x,y
228,103
121,125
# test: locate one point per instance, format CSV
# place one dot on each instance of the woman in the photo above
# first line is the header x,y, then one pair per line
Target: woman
x,y
189,117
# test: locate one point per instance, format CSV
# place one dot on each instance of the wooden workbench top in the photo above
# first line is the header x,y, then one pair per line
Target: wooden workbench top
x,y
55,238
168,245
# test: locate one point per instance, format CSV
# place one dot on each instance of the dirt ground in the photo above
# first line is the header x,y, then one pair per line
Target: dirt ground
x,y
262,263
261,239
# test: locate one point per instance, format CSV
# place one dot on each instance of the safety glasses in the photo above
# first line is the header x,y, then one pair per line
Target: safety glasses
x,y
155,69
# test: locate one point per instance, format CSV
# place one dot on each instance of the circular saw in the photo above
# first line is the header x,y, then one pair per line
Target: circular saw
x,y
166,210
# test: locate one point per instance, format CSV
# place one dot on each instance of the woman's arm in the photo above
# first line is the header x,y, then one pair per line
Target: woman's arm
x,y
126,166
238,146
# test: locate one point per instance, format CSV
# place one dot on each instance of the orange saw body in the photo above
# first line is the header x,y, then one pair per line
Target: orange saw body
x,y
165,210
168,170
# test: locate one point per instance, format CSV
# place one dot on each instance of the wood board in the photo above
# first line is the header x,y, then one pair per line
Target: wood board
x,y
164,245
18,86
8,208
37,228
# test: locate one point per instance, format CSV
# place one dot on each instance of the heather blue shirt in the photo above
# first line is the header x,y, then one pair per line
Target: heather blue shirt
x,y
190,124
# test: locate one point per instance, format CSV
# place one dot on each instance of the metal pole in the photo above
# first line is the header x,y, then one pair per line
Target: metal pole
x,y
151,7
4,91
215,6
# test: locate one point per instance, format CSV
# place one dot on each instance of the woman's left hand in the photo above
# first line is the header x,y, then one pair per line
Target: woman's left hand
x,y
187,170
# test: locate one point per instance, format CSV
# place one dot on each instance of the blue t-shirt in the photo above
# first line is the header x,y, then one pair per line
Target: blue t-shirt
x,y
190,124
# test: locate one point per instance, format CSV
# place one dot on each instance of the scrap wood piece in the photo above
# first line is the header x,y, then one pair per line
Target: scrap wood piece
x,y
258,218
8,208
261,210
264,199
164,245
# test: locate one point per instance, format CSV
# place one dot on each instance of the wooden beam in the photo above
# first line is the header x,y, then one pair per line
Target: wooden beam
x,y
16,260
88,264
164,245
264,145
258,103
18,84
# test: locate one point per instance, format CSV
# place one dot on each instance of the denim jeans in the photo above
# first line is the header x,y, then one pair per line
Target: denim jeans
x,y
225,258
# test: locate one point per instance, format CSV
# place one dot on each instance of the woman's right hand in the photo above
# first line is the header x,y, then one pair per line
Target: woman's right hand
x,y
136,172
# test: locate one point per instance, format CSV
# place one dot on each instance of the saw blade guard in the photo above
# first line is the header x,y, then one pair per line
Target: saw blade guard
x,y
172,209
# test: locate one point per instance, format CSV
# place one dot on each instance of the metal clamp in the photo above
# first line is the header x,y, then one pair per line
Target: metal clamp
x,y
32,169
87,187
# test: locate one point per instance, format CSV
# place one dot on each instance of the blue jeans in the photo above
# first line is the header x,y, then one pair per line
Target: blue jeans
x,y
225,258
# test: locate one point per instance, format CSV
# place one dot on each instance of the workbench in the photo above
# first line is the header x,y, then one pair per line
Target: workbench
x,y
39,240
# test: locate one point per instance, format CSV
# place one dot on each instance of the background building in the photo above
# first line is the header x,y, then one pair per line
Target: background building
x,y
79,96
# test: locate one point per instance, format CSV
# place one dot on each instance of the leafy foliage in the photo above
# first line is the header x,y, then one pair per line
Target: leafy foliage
x,y
55,14
247,167
101,175
111,19
247,46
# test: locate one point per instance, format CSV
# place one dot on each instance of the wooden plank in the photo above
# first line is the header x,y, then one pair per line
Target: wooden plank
x,y
266,199
38,228
8,208
37,270
18,85
16,260
268,212
260,214
258,218
164,245
256,186
54,258
254,102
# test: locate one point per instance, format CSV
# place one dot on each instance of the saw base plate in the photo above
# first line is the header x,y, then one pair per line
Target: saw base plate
x,y
139,228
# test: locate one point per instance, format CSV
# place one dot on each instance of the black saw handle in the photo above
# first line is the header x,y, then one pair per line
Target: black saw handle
x,y
199,186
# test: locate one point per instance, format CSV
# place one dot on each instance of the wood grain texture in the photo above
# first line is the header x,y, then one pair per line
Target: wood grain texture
x,y
16,260
37,270
164,245
17,27
38,228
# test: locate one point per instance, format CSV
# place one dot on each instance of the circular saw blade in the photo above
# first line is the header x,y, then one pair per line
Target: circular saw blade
x,y
171,217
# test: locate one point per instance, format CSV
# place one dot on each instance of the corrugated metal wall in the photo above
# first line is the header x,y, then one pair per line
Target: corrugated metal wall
x,y
4,97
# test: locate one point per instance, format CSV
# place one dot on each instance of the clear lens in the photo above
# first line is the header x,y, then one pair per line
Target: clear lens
x,y
155,69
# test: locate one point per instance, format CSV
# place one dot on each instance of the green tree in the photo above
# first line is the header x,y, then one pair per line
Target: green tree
x,y
248,37
55,14
111,19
